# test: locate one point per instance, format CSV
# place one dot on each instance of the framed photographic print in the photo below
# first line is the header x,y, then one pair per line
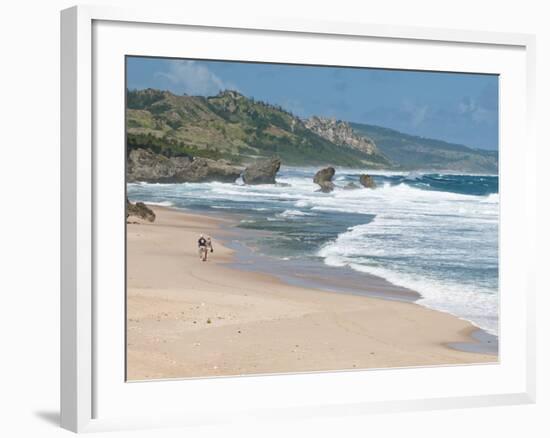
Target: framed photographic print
x,y
291,218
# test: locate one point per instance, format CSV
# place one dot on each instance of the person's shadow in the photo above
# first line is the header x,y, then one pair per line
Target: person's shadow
x,y
51,417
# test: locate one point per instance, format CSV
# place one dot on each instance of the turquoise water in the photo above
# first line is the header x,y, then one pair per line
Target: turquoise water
x,y
434,233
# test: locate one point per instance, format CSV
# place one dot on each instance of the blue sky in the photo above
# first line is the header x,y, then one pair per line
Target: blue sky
x,y
455,107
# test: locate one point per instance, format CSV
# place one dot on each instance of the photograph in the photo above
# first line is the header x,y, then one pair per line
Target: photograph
x,y
291,218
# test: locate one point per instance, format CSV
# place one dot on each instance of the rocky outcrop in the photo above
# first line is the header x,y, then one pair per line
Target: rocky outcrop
x,y
140,210
147,166
341,133
324,178
205,169
367,181
262,171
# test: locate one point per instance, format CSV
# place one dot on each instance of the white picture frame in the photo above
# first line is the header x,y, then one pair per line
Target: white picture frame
x,y
91,393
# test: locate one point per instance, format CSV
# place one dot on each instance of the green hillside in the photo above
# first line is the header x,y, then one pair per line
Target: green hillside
x,y
233,127
409,152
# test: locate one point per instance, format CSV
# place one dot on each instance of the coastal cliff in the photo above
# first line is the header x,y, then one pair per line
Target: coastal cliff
x,y
235,128
148,166
341,133
207,138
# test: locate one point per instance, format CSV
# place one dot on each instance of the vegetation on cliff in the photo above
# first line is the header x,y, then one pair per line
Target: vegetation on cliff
x,y
240,130
233,127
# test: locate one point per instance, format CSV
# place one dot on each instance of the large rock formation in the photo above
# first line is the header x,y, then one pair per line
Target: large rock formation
x,y
205,169
367,181
324,178
145,165
262,171
341,133
140,210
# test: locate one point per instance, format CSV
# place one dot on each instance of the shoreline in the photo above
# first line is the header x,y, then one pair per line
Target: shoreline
x,y
481,341
188,318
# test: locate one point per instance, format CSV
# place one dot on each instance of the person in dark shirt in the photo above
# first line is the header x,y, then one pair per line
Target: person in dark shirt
x,y
203,249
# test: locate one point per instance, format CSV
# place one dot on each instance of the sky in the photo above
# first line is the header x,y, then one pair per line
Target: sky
x,y
455,107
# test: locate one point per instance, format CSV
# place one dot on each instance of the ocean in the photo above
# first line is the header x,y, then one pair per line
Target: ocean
x,y
434,233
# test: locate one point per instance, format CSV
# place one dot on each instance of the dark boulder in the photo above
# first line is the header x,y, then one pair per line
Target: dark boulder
x,y
147,166
205,169
262,171
140,210
324,178
367,181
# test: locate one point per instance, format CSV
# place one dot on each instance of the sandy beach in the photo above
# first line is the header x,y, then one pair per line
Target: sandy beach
x,y
187,318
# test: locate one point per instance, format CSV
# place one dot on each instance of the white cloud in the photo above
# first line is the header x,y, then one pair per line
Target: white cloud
x,y
472,108
415,113
193,78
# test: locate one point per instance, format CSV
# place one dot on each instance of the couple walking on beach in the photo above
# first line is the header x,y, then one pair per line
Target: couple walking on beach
x,y
205,244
